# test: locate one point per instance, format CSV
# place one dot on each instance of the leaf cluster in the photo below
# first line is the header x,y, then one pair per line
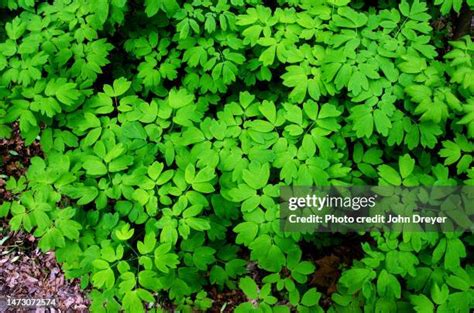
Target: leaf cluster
x,y
169,126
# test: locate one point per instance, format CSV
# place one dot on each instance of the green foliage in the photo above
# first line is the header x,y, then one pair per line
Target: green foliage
x,y
447,5
169,126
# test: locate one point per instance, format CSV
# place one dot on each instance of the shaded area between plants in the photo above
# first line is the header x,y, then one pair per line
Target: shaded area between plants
x,y
330,259
14,159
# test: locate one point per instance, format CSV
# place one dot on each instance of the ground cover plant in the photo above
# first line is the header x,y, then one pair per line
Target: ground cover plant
x,y
167,127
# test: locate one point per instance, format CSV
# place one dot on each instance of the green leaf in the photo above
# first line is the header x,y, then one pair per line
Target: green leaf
x,y
363,120
267,108
155,170
179,98
148,244
203,256
406,164
120,86
422,304
305,268
389,174
451,151
153,6
104,279
67,93
131,302
353,279
268,56
256,176
247,231
164,260
382,122
458,282
124,232
358,83
70,229
310,297
141,196
295,77
15,28
347,17
204,175
439,295
412,64
338,3
198,224
51,239
249,287
94,167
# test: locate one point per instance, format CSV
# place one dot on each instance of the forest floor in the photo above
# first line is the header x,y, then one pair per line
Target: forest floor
x,y
26,272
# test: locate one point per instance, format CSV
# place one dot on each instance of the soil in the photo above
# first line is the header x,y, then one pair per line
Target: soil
x,y
14,159
27,273
225,301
